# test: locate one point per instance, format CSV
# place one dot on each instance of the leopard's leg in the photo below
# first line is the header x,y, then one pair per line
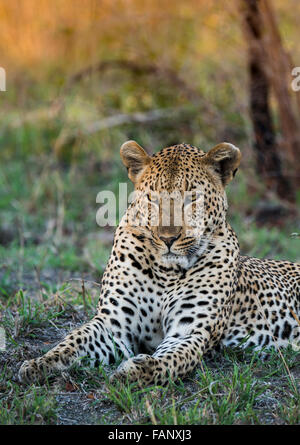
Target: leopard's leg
x,y
93,340
174,358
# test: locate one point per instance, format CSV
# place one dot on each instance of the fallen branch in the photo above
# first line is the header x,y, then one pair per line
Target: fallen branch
x,y
42,114
58,105
67,135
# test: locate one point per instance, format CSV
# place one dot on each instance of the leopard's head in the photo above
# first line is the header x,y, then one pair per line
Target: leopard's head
x,y
180,200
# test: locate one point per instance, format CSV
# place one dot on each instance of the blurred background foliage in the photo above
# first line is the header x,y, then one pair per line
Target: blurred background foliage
x,y
79,75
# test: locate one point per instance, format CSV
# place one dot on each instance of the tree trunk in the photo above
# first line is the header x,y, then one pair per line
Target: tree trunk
x,y
278,70
261,72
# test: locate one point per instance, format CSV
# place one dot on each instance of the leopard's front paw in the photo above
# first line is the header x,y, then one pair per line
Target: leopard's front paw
x,y
143,368
31,371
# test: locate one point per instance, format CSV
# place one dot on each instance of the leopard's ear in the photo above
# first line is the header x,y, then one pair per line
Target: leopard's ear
x,y
135,159
224,158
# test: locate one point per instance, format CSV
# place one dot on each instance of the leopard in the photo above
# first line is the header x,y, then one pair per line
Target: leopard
x,y
175,289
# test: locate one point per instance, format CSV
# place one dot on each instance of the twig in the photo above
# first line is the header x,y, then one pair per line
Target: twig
x,y
150,411
180,402
38,276
83,296
53,324
68,304
87,281
295,316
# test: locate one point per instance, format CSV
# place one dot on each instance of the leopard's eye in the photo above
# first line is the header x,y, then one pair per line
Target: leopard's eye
x,y
191,198
187,200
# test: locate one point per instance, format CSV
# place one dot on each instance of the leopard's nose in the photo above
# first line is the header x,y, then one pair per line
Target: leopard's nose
x,y
169,240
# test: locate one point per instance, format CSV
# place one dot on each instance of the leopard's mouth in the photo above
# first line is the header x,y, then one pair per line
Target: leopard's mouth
x,y
189,258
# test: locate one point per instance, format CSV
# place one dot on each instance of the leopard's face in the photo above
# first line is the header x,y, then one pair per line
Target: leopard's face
x,y
180,199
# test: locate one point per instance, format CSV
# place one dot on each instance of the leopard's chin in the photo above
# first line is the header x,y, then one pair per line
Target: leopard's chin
x,y
178,260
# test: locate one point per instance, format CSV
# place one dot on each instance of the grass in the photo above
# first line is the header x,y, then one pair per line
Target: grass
x,y
232,387
33,406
